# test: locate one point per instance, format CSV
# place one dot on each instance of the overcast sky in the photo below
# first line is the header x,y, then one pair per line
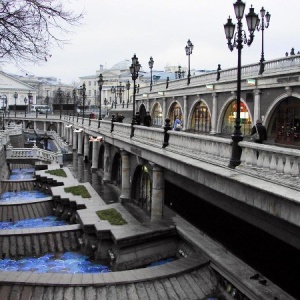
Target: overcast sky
x,y
114,30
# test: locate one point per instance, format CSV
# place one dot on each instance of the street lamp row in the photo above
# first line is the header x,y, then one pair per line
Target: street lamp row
x,y
239,38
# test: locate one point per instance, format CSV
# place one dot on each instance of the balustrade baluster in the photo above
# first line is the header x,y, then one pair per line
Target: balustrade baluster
x,y
287,170
280,165
295,168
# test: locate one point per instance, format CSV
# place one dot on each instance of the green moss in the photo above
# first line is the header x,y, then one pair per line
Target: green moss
x,y
78,190
57,172
112,216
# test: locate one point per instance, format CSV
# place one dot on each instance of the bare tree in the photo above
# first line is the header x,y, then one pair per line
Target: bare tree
x,y
29,28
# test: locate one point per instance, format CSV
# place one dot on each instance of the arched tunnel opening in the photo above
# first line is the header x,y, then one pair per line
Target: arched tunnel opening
x,y
270,256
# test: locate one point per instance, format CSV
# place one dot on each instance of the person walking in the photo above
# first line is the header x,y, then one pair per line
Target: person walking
x,y
259,132
177,124
147,119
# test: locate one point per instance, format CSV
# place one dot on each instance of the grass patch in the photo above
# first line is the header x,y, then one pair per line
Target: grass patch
x,y
57,172
78,190
112,216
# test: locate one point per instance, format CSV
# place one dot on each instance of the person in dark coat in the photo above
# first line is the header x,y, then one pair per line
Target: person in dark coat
x,y
137,118
262,132
147,119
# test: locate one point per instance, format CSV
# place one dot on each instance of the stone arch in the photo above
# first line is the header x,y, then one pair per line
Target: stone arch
x,y
116,170
246,129
282,119
141,188
195,103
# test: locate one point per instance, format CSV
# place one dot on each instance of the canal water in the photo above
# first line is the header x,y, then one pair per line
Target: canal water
x,y
82,172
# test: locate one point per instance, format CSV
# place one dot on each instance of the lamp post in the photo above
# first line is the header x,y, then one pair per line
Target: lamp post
x,y
74,103
113,91
83,89
240,38
25,102
189,50
16,97
134,70
179,74
68,97
100,84
261,26
59,95
47,103
30,96
119,90
151,63
128,88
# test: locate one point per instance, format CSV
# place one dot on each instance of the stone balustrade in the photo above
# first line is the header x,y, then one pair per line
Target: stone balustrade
x,y
34,153
272,162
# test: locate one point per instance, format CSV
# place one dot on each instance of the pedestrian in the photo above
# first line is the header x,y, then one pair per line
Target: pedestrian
x,y
147,119
137,118
177,124
258,134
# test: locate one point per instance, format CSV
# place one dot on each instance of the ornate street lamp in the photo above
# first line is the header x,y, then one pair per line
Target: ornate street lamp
x,y
240,38
128,88
68,97
30,97
82,90
179,74
25,102
189,50
74,103
16,97
59,95
261,26
120,90
114,91
47,100
151,63
134,70
100,84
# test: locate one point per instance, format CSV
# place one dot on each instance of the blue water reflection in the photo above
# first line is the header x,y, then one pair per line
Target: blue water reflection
x,y
22,196
69,262
18,174
33,223
161,262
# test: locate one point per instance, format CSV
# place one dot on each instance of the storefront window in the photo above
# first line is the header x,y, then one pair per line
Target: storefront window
x,y
157,117
201,121
285,122
175,111
230,116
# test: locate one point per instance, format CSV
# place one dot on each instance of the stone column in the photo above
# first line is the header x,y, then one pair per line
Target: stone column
x,y
107,165
58,129
34,125
95,155
185,113
256,113
214,114
70,136
86,147
45,126
79,137
74,141
157,193
125,176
